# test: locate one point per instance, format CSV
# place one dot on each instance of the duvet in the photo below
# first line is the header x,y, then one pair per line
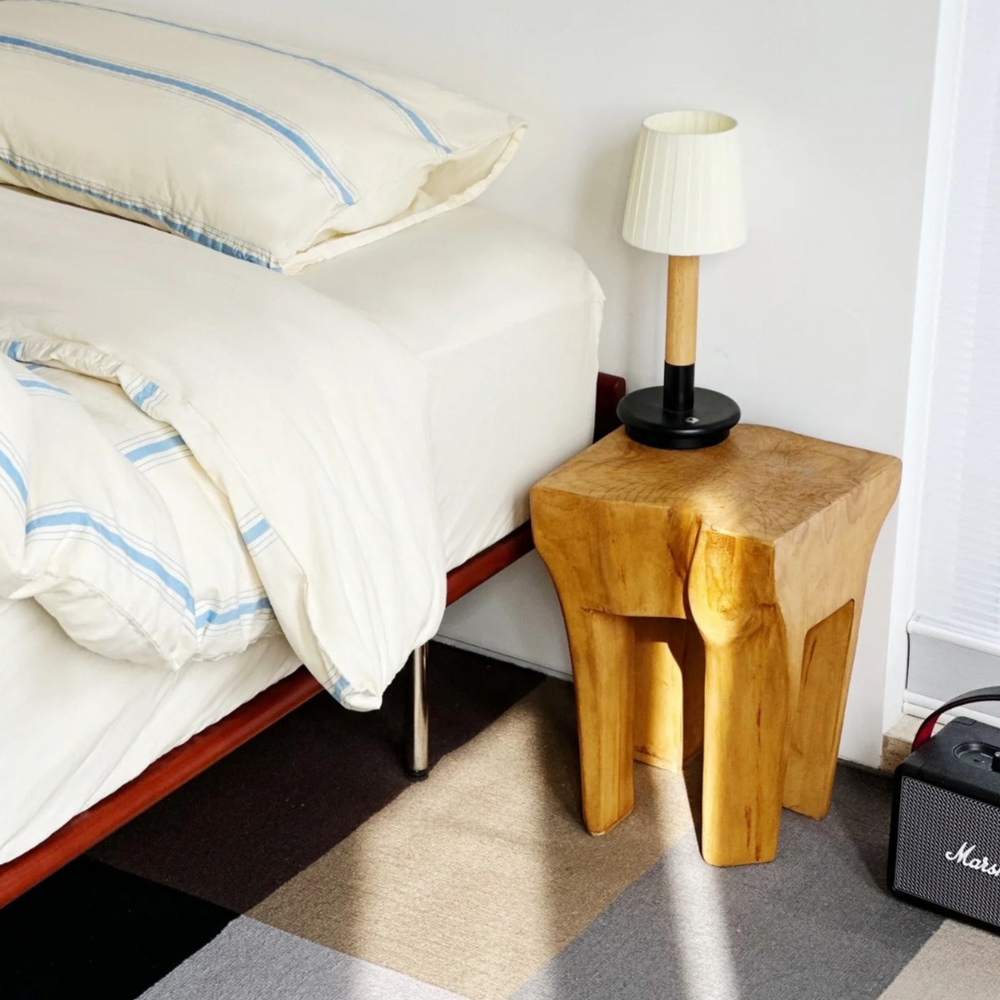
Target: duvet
x,y
195,452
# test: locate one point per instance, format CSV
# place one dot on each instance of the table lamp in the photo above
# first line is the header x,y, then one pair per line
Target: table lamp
x,y
685,199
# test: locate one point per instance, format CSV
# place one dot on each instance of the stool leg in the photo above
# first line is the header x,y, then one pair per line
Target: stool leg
x,y
814,731
731,594
602,649
669,691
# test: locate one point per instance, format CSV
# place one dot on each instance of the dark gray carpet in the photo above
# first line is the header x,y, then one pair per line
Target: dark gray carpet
x,y
816,924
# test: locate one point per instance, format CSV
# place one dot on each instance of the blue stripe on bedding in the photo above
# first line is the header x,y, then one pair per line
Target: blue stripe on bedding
x,y
208,618
150,213
251,534
146,392
138,454
81,519
14,350
8,466
34,383
411,116
187,87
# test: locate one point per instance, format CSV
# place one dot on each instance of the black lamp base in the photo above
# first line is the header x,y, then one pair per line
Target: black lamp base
x,y
707,423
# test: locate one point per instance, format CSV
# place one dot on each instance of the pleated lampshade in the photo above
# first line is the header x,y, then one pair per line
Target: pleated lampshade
x,y
685,197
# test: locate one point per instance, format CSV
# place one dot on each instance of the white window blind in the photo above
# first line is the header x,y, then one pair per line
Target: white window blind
x,y
955,630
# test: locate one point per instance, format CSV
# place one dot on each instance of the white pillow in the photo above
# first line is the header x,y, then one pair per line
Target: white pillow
x,y
275,156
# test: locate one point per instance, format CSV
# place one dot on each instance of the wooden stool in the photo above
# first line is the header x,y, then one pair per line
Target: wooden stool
x,y
714,596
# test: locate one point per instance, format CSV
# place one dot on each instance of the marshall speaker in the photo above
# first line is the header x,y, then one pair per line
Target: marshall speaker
x,y
944,849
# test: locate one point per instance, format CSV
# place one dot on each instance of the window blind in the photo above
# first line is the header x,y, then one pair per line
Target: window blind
x,y
955,628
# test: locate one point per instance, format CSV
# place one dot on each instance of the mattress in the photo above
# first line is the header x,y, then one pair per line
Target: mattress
x,y
506,322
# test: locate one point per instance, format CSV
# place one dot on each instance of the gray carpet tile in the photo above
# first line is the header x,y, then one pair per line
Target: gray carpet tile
x,y
817,924
252,961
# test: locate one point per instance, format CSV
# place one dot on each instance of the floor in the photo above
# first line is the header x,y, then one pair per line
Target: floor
x,y
306,867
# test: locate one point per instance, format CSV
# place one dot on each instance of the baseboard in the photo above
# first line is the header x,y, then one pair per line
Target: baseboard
x,y
492,654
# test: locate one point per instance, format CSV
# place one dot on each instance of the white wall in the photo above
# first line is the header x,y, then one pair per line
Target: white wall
x,y
809,325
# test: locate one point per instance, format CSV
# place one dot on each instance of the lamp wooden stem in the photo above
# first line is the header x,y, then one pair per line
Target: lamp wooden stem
x,y
682,310
676,414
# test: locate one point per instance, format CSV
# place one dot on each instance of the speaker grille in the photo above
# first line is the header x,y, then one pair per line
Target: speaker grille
x,y
934,822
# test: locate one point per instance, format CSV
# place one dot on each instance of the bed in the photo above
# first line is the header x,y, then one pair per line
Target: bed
x,y
507,323
290,437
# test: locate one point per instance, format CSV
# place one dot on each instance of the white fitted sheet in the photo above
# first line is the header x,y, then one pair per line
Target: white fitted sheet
x,y
507,321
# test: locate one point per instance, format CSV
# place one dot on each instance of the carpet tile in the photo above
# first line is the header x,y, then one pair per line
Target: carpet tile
x,y
306,867
476,878
252,821
251,961
958,961
90,931
815,924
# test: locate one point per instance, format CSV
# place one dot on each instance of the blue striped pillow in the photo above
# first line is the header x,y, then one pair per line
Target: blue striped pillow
x,y
275,156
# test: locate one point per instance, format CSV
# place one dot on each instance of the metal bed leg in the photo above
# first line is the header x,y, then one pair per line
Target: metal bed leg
x,y
417,764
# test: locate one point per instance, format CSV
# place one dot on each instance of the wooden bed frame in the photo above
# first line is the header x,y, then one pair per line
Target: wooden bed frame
x,y
180,765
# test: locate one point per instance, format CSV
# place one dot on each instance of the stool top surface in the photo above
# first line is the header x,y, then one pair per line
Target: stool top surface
x,y
760,482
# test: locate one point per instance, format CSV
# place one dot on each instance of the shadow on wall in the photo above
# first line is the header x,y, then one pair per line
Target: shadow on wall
x,y
627,276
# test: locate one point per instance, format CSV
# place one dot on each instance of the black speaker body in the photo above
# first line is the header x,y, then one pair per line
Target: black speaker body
x,y
944,848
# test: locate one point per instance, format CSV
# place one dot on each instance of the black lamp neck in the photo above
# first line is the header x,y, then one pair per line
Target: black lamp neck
x,y
678,387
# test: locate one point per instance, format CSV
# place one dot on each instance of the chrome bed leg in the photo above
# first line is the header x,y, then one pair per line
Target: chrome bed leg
x,y
417,762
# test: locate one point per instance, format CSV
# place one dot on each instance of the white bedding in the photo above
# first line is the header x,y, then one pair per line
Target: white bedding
x,y
149,534
308,417
506,322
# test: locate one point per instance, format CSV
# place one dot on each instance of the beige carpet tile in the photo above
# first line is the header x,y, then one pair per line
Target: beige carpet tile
x,y
958,960
473,880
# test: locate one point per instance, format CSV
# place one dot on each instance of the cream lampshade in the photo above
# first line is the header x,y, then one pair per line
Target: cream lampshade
x,y
685,199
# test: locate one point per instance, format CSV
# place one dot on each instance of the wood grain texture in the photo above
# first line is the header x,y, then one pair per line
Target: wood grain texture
x,y
682,310
762,544
598,643
814,739
669,691
731,593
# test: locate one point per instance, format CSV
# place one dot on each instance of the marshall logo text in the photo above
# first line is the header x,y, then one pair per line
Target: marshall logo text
x,y
964,856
